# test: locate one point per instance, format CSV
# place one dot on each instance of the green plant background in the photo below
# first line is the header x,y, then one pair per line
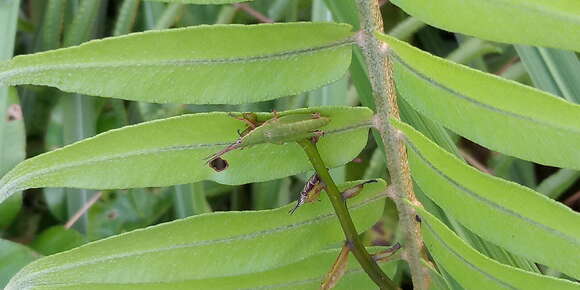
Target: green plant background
x,y
488,96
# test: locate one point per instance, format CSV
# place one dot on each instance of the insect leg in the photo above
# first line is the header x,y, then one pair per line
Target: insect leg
x,y
355,190
249,118
338,269
220,153
316,134
384,256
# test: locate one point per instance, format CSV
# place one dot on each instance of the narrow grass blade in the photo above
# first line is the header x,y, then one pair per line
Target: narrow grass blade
x,y
126,17
189,199
557,183
12,135
553,70
79,112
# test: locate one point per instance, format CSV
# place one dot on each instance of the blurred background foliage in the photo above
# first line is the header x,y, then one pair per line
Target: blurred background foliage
x,y
51,220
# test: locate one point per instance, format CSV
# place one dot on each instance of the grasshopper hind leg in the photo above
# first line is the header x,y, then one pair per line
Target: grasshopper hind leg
x,y
220,153
355,190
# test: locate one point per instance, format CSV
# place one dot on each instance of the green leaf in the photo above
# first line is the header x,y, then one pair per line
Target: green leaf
x,y
507,214
344,11
12,148
553,70
12,136
502,115
57,239
304,274
171,151
49,34
189,199
266,195
556,184
126,17
13,257
427,126
124,211
532,22
8,19
437,280
170,15
474,270
205,246
219,64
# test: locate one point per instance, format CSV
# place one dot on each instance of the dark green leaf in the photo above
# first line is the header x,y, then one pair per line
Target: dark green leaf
x,y
57,239
13,257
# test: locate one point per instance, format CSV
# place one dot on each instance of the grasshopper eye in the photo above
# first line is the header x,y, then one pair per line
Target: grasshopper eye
x,y
218,164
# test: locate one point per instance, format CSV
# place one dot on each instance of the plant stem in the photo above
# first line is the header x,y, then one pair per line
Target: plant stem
x,y
380,70
350,232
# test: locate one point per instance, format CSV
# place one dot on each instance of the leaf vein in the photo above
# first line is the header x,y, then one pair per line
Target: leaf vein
x,y
488,201
468,263
241,237
10,73
477,102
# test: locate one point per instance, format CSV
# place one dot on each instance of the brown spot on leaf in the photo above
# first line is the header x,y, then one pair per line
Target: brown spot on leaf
x,y
14,112
218,164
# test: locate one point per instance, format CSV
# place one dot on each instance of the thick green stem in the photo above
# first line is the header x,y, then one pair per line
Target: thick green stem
x,y
366,261
380,71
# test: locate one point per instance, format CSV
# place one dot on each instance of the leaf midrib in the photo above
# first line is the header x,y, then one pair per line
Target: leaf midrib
x,y
489,202
268,286
12,185
538,8
10,73
476,102
466,262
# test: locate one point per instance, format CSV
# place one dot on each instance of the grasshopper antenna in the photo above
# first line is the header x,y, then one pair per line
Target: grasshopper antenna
x,y
298,204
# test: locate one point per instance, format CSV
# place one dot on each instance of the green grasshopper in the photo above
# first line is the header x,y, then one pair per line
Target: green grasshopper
x,y
277,130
